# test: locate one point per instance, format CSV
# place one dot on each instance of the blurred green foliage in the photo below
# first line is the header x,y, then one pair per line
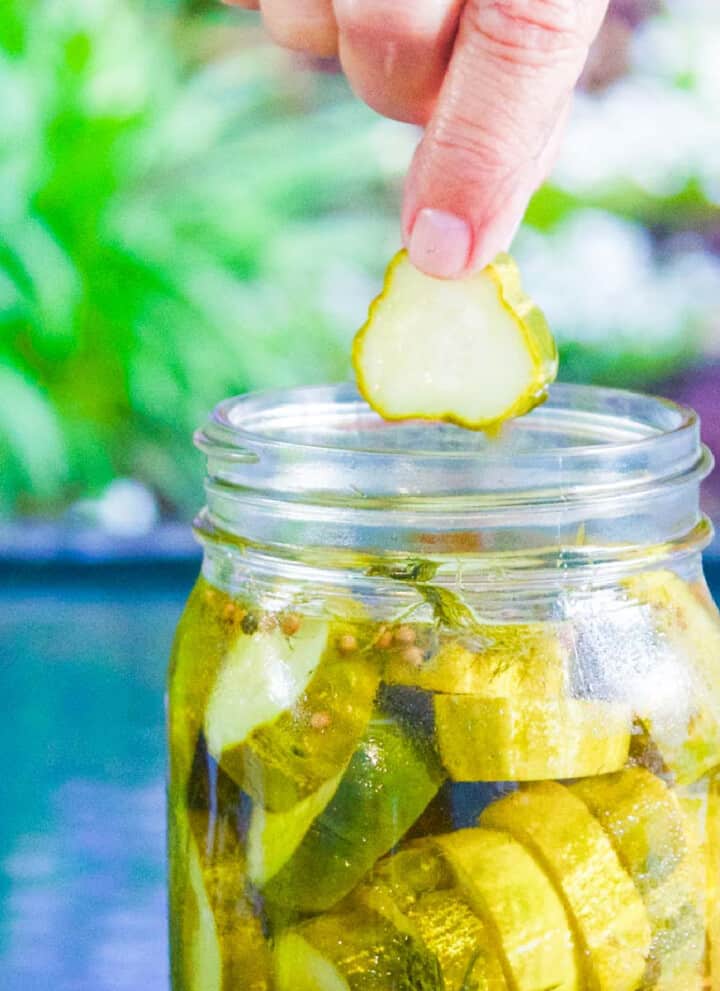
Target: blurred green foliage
x,y
165,239
184,216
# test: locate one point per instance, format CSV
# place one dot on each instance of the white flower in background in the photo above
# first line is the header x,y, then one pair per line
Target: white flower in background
x,y
126,508
619,292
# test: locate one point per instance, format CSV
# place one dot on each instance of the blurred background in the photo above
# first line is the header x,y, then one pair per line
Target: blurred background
x,y
187,213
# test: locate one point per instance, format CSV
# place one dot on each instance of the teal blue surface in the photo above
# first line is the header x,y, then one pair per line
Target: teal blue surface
x,y
82,832
82,818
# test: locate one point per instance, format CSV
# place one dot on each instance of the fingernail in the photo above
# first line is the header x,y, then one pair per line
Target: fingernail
x,y
440,243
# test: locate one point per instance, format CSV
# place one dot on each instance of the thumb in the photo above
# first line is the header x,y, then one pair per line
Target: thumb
x,y
495,128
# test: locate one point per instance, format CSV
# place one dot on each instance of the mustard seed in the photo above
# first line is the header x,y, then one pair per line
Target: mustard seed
x,y
404,636
413,656
290,624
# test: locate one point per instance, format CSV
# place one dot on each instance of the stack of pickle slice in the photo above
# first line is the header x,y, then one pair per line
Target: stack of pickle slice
x,y
323,742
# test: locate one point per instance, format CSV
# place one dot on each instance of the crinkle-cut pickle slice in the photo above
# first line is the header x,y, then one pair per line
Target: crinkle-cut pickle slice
x,y
287,760
355,950
676,910
222,939
712,841
683,736
519,905
701,805
473,351
529,739
460,940
656,843
518,660
405,876
609,917
643,819
389,781
415,887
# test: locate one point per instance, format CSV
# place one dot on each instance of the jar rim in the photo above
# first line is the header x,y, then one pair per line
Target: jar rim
x,y
314,467
634,419
583,438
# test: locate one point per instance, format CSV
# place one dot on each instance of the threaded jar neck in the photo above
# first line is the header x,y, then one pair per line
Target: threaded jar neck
x,y
595,478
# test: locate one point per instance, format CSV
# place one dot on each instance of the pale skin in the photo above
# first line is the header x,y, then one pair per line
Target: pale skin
x,y
490,81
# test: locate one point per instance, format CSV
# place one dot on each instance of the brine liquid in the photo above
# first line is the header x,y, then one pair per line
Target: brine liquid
x,y
400,805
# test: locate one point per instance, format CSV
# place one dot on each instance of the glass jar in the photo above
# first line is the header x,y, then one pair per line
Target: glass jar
x,y
444,708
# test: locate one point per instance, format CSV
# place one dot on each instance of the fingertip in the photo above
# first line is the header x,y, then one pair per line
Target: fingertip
x,y
440,243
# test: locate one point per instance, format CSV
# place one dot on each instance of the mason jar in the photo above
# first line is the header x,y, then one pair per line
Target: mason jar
x,y
444,708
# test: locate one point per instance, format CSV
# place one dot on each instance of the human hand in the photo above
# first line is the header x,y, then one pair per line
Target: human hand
x,y
490,80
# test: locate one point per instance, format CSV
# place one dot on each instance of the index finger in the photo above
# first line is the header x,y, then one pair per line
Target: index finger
x,y
511,75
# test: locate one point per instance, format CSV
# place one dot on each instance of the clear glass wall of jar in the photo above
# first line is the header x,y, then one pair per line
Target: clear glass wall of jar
x,y
444,709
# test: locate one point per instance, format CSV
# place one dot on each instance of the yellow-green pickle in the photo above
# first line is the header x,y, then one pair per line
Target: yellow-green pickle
x,y
444,709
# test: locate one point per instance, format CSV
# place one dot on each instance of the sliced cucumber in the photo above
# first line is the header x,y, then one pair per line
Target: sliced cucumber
x,y
519,906
413,871
528,739
287,760
712,849
643,819
453,931
203,968
222,946
357,950
607,911
498,355
389,781
263,674
274,837
517,660
682,730
198,652
416,888
655,841
676,910
701,806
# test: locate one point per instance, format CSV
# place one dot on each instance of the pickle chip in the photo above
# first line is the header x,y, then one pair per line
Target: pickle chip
x,y
460,940
712,840
222,939
701,804
676,910
405,876
263,674
273,837
473,351
415,887
518,660
643,819
529,739
356,950
389,781
287,760
657,843
681,731
609,918
520,907
198,652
